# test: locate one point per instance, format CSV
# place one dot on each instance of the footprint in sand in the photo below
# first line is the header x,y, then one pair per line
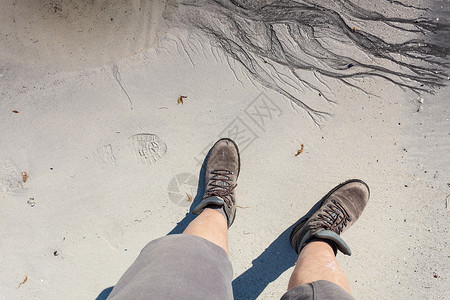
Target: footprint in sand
x,y
147,148
142,148
105,155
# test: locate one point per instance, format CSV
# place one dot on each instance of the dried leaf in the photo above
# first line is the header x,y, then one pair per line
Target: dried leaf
x,y
189,199
23,282
24,176
299,151
180,99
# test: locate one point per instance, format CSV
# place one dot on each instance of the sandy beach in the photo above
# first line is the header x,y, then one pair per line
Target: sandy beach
x,y
98,156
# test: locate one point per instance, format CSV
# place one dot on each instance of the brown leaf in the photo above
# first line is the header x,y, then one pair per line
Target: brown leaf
x,y
24,176
189,199
23,282
180,99
299,151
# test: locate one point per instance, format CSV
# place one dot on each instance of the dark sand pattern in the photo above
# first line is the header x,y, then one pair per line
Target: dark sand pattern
x,y
289,46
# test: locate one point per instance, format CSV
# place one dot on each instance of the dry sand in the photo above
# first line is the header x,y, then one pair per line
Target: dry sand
x,y
93,84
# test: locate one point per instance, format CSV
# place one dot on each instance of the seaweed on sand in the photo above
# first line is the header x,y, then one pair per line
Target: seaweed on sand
x,y
288,46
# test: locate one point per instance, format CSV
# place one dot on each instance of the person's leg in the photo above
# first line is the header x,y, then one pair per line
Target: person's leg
x,y
195,264
217,210
317,262
317,238
210,225
178,266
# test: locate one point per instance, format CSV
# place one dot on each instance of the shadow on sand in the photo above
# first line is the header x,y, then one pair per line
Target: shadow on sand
x,y
266,268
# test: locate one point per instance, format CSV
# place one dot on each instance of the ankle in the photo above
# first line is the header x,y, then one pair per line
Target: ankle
x,y
217,208
330,243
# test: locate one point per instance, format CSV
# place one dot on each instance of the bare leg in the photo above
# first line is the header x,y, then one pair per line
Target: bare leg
x,y
315,262
212,226
217,209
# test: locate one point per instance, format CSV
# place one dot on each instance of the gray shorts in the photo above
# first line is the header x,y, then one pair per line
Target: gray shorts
x,y
183,266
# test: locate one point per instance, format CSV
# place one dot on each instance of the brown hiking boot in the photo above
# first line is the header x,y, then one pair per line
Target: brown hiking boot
x,y
339,209
221,173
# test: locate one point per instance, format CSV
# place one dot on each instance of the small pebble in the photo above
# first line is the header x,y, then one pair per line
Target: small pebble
x,y
31,202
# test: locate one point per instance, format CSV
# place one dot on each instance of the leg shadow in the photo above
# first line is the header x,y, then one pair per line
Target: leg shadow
x,y
267,267
181,226
105,293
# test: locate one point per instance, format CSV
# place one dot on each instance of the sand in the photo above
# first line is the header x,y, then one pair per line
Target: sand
x,y
86,88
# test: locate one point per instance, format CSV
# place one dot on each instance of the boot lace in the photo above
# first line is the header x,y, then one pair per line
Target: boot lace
x,y
220,186
334,217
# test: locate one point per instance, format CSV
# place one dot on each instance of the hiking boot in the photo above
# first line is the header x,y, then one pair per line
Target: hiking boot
x,y
339,209
221,173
